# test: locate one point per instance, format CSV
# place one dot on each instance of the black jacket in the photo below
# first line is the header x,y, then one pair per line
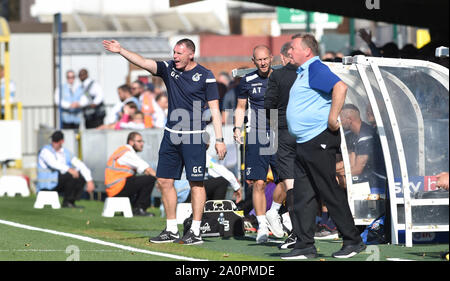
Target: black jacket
x,y
277,93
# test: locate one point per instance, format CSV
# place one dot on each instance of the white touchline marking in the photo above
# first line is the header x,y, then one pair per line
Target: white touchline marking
x,y
397,259
97,241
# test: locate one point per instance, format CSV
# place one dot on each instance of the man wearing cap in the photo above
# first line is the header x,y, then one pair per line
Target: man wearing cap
x,y
60,170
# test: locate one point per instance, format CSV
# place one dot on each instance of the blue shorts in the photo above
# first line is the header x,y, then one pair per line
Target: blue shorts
x,y
259,155
182,150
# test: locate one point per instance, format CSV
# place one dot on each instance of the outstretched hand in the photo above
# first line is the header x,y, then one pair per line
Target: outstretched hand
x,y
112,46
366,36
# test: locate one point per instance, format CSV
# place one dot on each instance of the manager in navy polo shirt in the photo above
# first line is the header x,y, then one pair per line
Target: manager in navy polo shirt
x,y
190,88
315,101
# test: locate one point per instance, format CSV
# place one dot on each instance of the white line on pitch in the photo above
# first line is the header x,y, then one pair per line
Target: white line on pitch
x,y
97,241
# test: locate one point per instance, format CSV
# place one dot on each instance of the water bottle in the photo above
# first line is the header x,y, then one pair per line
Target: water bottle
x,y
161,208
221,218
221,226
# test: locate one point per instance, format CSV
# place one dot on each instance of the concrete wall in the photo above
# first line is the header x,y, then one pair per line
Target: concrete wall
x,y
32,67
98,145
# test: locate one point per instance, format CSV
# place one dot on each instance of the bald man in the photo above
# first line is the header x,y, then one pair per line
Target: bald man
x,y
259,140
91,100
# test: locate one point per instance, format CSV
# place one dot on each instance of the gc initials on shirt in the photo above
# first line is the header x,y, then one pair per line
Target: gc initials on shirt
x,y
174,74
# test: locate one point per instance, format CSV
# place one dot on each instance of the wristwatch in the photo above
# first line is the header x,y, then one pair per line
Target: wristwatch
x,y
220,140
234,128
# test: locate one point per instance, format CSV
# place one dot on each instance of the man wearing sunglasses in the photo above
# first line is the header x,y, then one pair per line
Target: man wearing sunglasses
x,y
70,99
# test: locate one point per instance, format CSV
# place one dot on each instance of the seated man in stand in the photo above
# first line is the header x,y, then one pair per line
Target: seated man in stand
x,y
60,171
121,179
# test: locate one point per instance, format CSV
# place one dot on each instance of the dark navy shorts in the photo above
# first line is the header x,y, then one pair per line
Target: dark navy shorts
x,y
182,150
259,154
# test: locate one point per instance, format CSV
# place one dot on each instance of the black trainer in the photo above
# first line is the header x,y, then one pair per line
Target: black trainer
x,y
348,251
66,204
165,237
189,239
289,242
300,254
142,213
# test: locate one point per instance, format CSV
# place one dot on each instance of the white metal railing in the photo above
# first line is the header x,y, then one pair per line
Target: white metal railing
x,y
364,65
441,75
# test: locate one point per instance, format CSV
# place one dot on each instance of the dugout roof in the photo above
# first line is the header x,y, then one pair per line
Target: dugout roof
x,y
428,14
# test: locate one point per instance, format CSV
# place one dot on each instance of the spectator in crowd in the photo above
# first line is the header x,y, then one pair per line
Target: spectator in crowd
x,y
409,51
160,106
230,100
224,78
12,89
357,53
70,102
147,105
328,56
222,88
61,171
91,100
260,137
134,122
315,101
331,56
277,97
121,177
131,118
137,88
125,96
389,50
338,57
438,38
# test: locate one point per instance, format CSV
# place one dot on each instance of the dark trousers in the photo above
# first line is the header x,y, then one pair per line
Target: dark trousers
x,y
215,188
139,190
70,126
94,123
315,182
71,188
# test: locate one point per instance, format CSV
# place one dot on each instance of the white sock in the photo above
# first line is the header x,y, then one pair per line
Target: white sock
x,y
172,226
275,207
262,222
195,227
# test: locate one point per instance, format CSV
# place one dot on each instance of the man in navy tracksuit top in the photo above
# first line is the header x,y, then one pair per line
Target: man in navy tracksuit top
x,y
259,145
190,88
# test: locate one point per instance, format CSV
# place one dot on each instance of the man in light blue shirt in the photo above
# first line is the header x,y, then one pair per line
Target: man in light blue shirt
x,y
315,101
70,99
310,100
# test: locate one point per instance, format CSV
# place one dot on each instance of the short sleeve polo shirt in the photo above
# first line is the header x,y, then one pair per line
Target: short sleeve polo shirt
x,y
188,94
310,100
253,87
